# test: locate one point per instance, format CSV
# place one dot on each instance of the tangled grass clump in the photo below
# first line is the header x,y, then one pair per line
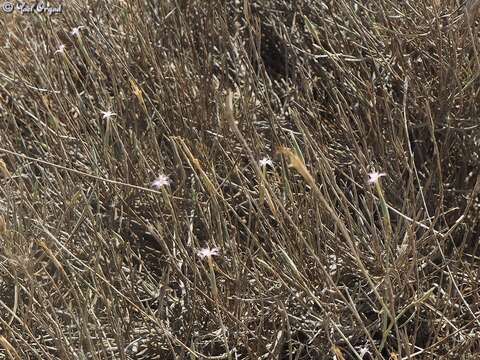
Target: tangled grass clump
x,y
240,180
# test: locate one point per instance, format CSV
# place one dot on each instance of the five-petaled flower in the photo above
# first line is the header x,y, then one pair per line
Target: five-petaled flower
x,y
208,253
107,114
374,176
161,180
76,30
265,161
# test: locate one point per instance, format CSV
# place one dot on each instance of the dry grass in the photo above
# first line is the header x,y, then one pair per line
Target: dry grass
x,y
315,262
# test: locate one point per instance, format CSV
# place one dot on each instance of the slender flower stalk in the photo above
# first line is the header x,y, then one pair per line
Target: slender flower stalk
x,y
106,115
374,178
263,165
3,225
209,253
161,183
76,33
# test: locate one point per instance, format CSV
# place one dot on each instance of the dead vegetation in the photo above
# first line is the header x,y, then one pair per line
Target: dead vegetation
x,y
265,119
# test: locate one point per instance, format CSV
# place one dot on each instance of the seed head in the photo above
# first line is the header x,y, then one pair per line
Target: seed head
x,y
4,170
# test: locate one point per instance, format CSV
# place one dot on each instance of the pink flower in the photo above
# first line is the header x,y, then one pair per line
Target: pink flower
x,y
374,176
208,253
161,180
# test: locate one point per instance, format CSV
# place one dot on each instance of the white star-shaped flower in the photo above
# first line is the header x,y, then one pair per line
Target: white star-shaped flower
x,y
265,161
364,351
208,253
76,30
374,176
107,114
161,180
